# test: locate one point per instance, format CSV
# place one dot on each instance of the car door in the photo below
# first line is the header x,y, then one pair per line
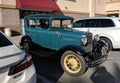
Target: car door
x,y
55,31
90,25
43,37
31,28
101,26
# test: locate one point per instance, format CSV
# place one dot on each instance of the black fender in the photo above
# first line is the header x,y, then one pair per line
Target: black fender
x,y
99,44
97,50
77,49
28,39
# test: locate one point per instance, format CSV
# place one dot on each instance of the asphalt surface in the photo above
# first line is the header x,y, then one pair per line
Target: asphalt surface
x,y
49,70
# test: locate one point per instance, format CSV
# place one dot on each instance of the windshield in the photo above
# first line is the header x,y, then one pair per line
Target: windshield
x,y
4,41
61,23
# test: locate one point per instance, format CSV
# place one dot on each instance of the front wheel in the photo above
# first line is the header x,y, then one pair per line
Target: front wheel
x,y
73,64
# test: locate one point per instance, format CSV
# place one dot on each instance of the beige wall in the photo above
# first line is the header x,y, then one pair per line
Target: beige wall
x,y
83,7
100,6
10,2
112,0
7,3
75,5
113,7
10,18
0,18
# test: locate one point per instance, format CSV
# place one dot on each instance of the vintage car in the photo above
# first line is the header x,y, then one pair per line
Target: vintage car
x,y
78,50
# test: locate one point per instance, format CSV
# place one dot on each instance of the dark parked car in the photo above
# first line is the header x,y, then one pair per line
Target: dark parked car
x,y
77,49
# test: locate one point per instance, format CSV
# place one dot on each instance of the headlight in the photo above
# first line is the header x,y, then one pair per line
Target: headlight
x,y
97,37
84,39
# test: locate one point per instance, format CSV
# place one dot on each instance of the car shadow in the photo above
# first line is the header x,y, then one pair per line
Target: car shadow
x,y
101,75
49,68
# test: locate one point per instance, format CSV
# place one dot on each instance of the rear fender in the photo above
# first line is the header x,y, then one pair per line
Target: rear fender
x,y
23,38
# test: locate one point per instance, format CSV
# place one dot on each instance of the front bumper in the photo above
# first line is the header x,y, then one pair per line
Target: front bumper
x,y
96,62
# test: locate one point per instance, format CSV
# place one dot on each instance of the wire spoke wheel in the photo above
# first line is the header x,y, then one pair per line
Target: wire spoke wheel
x,y
73,64
103,51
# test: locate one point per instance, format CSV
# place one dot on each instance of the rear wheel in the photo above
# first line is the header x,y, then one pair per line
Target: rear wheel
x,y
26,45
73,64
108,42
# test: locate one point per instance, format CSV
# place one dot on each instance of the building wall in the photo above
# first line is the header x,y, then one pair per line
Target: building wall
x,y
111,0
0,18
10,19
9,2
100,7
113,7
82,8
9,16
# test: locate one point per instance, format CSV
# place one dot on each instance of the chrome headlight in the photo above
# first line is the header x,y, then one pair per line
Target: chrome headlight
x,y
84,39
96,37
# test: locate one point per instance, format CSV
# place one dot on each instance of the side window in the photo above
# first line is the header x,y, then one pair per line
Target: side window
x,y
106,23
79,23
31,23
90,23
55,23
43,23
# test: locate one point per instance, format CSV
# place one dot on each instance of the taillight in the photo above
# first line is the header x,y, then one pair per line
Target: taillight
x,y
21,66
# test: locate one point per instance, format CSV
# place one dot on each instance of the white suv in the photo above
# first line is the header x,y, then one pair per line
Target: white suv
x,y
107,27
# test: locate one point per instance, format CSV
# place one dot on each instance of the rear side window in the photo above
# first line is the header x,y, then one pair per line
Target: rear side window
x,y
99,23
106,23
4,41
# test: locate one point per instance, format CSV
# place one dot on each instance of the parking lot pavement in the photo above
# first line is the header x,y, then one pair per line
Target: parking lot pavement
x,y
107,72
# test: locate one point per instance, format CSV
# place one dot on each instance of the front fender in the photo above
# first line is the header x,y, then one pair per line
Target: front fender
x,y
99,50
77,49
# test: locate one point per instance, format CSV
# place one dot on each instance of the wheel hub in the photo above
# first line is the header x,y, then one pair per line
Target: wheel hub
x,y
72,63
103,51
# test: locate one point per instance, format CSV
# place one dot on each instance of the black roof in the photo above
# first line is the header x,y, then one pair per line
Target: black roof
x,y
50,16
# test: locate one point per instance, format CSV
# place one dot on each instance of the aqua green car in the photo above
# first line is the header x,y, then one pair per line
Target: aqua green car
x,y
78,50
